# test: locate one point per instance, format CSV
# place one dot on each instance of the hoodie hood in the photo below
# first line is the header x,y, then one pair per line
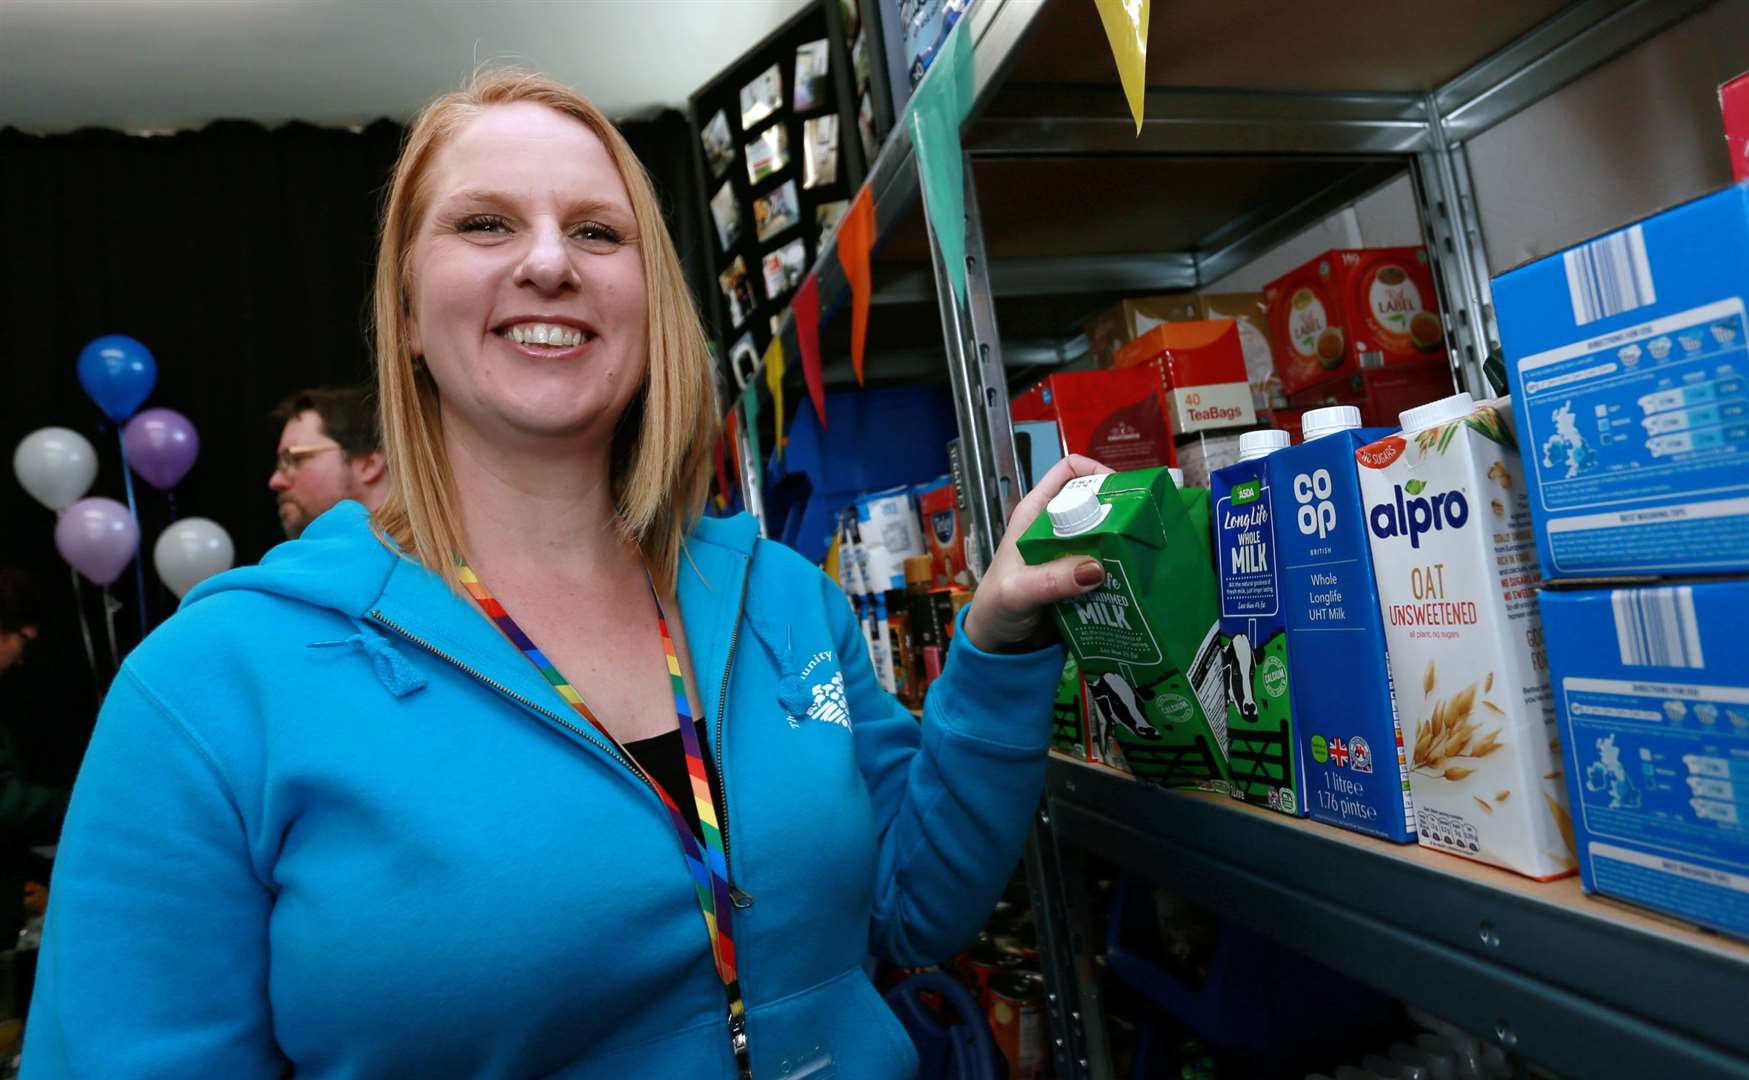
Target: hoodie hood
x,y
341,564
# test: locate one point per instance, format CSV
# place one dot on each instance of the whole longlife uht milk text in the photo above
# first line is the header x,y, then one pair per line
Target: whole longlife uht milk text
x,y
1145,640
1455,562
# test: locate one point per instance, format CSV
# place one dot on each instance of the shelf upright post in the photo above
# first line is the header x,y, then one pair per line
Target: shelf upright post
x,y
752,495
988,460
1446,200
1063,998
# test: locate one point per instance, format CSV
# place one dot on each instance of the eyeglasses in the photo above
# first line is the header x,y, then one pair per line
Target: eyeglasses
x,y
288,460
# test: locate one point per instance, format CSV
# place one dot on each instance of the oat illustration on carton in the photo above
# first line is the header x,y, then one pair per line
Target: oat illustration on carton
x,y
1453,552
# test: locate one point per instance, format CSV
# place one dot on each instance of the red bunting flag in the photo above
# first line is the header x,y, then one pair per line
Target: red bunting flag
x,y
855,239
806,306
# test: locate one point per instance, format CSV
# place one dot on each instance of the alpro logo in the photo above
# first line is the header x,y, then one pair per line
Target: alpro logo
x,y
1317,514
1411,514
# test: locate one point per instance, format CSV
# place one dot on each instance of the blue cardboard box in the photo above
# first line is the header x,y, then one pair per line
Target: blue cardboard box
x,y
1345,710
1262,753
1626,357
1652,697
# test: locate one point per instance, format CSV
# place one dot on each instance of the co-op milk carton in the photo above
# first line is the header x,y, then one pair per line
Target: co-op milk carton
x,y
1146,639
1262,754
1652,692
1628,358
1355,765
1456,568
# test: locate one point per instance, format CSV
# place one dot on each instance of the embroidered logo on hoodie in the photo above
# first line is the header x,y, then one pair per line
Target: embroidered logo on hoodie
x,y
825,699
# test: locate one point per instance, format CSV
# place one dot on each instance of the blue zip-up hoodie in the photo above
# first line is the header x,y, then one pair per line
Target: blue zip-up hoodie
x,y
333,823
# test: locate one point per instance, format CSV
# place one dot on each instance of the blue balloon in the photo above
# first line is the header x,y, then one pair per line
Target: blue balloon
x,y
118,373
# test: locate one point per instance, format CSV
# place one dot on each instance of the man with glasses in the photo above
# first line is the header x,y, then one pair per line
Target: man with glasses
x,y
328,451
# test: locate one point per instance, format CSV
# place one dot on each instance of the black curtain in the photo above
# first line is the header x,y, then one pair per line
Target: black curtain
x,y
242,257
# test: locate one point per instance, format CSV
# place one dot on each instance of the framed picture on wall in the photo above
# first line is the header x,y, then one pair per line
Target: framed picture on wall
x,y
784,268
828,215
820,151
813,65
761,97
768,154
776,212
719,145
726,213
738,291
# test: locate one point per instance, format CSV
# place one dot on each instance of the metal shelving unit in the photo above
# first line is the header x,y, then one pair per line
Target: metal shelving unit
x,y
1259,123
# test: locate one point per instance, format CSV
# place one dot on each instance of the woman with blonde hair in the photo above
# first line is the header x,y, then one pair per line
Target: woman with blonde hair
x,y
535,773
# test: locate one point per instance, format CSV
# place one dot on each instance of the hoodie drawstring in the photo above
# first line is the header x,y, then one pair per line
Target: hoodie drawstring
x,y
398,677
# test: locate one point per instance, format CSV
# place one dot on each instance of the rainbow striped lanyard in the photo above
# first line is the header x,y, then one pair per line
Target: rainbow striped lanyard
x,y
709,869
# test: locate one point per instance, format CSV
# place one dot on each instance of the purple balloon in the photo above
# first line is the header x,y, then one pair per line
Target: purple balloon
x,y
161,446
97,538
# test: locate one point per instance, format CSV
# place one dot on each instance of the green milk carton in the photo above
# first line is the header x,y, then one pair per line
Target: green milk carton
x,y
1147,641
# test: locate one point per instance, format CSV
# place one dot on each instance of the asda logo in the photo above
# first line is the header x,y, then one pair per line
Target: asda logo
x,y
1248,492
1413,515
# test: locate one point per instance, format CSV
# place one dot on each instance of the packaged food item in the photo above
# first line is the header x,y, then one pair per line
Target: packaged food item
x,y
1201,454
938,507
1015,1002
1146,641
889,533
1383,393
1038,445
1352,309
1456,571
1628,359
1652,694
1252,315
1117,418
1734,105
1199,510
1203,368
1355,765
1262,754
1127,320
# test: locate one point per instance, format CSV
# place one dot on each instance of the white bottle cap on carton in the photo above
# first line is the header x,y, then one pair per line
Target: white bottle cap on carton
x,y
1256,444
1425,416
1077,508
1328,421
1176,474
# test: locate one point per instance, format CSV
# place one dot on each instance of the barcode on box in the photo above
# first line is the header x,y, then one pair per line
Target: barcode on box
x,y
1609,276
1657,628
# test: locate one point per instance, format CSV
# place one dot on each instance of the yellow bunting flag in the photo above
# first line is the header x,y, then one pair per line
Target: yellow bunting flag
x,y
1126,27
774,381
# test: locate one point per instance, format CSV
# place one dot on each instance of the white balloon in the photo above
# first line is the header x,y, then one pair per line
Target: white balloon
x,y
56,465
190,551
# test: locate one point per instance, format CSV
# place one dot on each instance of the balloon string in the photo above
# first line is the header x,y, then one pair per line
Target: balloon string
x,y
127,475
85,632
110,606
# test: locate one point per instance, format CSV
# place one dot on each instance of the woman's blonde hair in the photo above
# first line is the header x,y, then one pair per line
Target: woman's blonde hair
x,y
660,456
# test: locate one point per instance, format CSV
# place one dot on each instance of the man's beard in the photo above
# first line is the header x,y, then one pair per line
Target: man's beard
x,y
295,523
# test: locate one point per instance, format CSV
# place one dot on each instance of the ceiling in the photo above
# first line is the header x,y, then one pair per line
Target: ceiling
x,y
166,64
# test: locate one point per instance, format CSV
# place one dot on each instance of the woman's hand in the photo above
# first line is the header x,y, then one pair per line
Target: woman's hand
x,y
1013,603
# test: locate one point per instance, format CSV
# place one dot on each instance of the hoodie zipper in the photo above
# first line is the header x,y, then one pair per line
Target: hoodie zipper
x,y
736,896
737,1024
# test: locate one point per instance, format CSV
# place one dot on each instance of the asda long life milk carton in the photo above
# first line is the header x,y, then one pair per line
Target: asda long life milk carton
x,y
1262,753
1356,766
1454,558
1146,639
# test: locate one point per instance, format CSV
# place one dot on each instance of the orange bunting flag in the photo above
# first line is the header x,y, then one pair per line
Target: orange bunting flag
x,y
806,306
774,383
856,235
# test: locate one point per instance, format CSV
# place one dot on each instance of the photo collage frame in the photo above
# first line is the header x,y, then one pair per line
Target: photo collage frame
x,y
781,150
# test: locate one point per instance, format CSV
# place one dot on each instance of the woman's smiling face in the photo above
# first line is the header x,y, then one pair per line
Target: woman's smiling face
x,y
526,292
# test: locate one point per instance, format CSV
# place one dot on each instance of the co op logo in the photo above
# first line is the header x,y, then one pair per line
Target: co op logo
x,y
1317,514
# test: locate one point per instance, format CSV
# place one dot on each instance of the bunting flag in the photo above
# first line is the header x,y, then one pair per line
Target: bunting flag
x,y
856,235
937,109
732,448
806,306
774,382
1126,27
750,419
722,497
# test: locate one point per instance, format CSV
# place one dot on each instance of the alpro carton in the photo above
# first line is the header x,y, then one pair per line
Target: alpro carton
x,y
1652,691
1145,640
1456,570
1355,763
1262,755
1628,358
